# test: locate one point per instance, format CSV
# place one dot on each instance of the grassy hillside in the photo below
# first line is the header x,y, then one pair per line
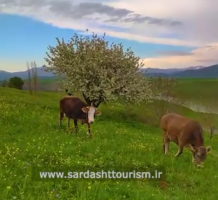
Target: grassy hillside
x,y
24,74
198,90
207,72
30,136
188,89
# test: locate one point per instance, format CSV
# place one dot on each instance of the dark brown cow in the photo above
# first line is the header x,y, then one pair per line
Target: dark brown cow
x,y
184,132
74,108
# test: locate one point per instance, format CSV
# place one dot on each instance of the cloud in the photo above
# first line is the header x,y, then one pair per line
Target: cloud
x,y
202,56
83,9
199,17
169,22
205,61
137,18
173,53
66,8
143,21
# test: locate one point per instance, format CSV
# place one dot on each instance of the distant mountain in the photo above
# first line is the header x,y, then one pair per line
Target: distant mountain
x,y
168,71
206,72
157,70
191,72
24,74
157,74
195,67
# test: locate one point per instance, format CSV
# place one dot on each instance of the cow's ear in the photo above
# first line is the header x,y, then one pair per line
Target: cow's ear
x,y
97,113
85,109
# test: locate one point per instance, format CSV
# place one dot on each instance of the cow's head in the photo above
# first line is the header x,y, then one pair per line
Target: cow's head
x,y
200,154
92,112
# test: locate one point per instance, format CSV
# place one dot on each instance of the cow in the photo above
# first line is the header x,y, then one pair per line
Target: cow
x,y
184,132
74,108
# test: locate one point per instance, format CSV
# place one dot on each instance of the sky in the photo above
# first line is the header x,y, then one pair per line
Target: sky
x,y
163,33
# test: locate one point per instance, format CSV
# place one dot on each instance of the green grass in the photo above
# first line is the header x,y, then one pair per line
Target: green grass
x,y
46,81
30,136
198,90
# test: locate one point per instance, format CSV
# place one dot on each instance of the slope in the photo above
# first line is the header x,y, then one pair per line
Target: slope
x,y
30,136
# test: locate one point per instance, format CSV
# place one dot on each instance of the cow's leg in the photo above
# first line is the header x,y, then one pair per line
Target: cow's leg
x,y
75,125
89,131
190,147
166,142
180,150
61,116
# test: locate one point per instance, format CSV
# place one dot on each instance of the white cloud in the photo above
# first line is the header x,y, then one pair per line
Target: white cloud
x,y
204,56
192,23
198,18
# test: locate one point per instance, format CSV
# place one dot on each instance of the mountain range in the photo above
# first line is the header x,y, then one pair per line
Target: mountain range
x,y
189,72
169,70
24,74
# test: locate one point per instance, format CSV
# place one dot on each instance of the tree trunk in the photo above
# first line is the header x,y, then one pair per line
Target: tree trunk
x,y
88,101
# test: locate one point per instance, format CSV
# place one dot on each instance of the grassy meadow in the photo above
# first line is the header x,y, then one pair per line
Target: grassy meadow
x,y
195,90
123,137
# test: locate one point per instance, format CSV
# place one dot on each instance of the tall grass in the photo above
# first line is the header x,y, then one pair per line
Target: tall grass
x,y
122,137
